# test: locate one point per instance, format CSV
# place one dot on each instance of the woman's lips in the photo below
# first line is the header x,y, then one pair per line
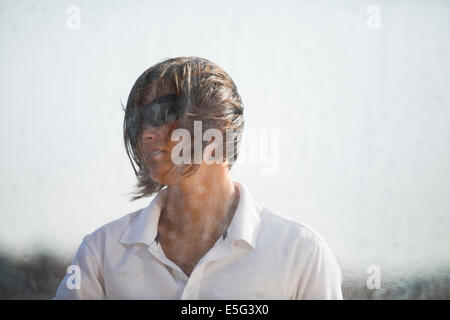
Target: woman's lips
x,y
155,154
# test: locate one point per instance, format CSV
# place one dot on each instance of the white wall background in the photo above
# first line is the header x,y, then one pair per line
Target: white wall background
x,y
363,116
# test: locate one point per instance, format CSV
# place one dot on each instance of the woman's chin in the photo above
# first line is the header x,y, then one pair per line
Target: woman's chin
x,y
160,173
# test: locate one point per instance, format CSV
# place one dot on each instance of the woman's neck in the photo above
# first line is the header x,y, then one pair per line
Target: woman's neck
x,y
200,205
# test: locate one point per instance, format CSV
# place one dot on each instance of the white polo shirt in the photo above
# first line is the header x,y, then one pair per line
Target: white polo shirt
x,y
262,255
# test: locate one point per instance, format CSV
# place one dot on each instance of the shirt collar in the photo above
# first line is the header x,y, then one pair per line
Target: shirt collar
x,y
246,220
144,228
244,225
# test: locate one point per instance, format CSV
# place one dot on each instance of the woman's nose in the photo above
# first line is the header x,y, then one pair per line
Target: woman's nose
x,y
159,134
150,133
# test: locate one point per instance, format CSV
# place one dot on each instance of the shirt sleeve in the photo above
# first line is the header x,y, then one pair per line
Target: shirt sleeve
x,y
321,279
86,264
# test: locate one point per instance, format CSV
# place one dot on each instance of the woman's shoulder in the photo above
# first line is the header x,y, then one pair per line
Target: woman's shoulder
x,y
111,231
295,242
288,229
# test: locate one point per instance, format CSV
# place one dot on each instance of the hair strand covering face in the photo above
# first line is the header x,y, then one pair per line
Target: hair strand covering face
x,y
205,92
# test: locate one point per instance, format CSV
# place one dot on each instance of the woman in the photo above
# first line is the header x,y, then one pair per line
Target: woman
x,y
203,236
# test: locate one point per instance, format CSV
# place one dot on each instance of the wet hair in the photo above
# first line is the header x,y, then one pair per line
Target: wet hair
x,y
204,92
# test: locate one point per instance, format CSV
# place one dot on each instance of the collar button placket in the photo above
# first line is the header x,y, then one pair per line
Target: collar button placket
x,y
193,285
